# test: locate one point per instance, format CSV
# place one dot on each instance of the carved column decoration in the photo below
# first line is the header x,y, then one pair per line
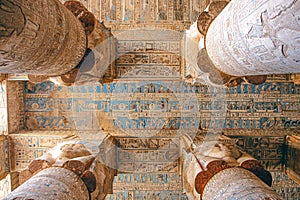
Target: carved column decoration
x,y
237,183
205,163
73,166
52,183
204,63
98,62
256,38
39,37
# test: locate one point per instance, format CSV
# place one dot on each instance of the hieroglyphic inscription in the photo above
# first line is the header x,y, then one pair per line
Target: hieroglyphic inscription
x,y
160,186
148,46
149,59
148,72
129,13
148,195
146,155
144,182
286,187
132,105
15,108
148,143
147,56
268,150
263,108
31,145
249,107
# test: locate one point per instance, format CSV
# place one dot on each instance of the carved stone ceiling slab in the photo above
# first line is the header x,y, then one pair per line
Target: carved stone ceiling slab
x,y
144,105
126,14
149,54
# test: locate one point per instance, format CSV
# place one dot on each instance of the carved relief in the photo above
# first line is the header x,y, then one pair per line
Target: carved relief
x,y
252,38
52,183
36,25
148,195
27,147
12,19
244,104
217,153
129,13
238,183
87,18
97,171
148,155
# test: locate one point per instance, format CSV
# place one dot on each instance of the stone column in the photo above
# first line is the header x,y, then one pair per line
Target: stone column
x,y
52,183
98,63
39,37
200,67
66,168
256,38
237,183
218,169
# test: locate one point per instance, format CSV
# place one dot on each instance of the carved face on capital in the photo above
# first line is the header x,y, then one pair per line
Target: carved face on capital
x,y
222,148
98,35
69,151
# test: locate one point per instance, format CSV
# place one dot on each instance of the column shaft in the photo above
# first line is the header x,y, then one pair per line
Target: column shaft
x,y
39,37
256,38
237,183
52,183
